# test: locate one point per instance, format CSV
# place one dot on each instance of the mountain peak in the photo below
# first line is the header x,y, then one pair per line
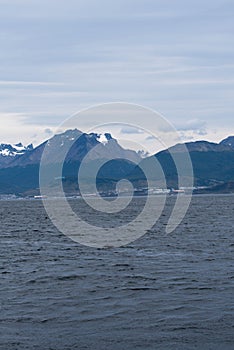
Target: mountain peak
x,y
76,144
19,145
229,141
71,134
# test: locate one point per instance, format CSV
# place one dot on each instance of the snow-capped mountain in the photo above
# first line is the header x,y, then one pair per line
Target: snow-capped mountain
x,y
79,144
21,172
7,150
10,152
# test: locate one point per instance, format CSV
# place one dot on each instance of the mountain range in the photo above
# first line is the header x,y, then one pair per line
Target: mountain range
x,y
9,152
78,143
213,163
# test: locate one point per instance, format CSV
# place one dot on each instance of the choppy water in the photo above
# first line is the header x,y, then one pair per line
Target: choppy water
x,y
161,292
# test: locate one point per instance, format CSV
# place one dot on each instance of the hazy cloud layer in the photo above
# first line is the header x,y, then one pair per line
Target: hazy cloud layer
x,y
58,57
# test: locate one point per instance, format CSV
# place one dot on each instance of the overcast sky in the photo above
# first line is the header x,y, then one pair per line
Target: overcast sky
x,y
57,57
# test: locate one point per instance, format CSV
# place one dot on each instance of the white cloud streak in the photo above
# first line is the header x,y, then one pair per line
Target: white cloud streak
x,y
28,83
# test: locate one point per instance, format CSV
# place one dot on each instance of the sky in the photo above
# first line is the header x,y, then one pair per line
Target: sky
x,y
58,57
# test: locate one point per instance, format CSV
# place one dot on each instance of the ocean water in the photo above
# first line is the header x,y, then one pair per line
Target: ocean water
x,y
160,292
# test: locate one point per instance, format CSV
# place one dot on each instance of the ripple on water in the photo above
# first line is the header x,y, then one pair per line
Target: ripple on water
x,y
161,292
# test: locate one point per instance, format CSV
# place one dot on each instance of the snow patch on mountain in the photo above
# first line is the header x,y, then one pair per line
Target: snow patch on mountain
x,y
8,150
102,138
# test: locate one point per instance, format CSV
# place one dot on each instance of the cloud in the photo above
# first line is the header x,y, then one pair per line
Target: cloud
x,y
131,130
175,57
30,83
192,129
150,138
193,124
201,132
48,131
185,138
15,129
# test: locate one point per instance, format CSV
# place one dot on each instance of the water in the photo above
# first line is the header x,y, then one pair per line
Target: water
x,y
161,292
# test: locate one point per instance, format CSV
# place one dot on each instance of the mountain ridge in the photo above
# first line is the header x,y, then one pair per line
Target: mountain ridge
x,y
78,144
213,163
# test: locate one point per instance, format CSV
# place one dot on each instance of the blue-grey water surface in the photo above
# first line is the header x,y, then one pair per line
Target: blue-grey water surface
x,y
161,292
